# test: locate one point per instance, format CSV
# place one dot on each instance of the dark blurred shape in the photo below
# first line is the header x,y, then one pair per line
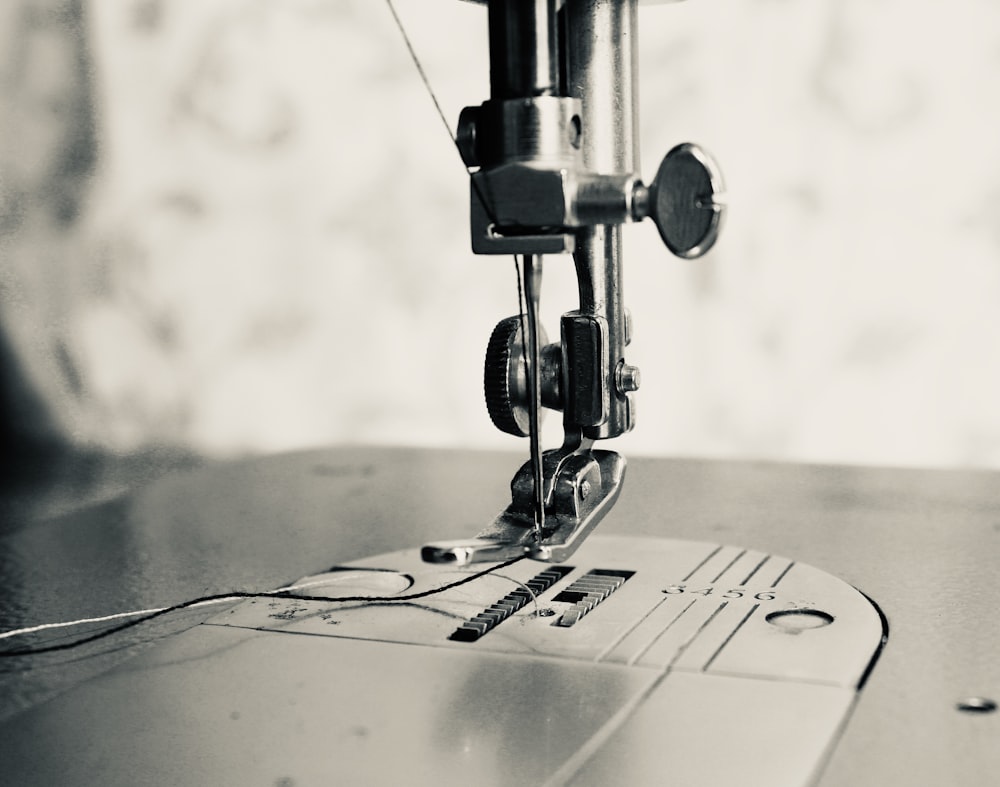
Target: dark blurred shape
x,y
29,436
44,94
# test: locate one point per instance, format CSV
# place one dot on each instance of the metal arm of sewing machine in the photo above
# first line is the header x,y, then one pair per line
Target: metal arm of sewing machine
x,y
555,164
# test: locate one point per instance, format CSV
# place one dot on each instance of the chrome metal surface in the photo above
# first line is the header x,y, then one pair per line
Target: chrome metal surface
x,y
538,130
557,158
627,378
921,542
524,48
382,692
580,487
603,74
557,151
464,552
599,266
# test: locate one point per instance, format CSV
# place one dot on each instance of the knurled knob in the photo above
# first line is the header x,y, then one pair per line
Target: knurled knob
x,y
505,379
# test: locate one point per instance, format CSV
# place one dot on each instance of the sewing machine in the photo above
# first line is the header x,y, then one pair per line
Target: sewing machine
x,y
538,652
557,172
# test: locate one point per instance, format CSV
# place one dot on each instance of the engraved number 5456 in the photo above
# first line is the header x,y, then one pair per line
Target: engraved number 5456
x,y
763,595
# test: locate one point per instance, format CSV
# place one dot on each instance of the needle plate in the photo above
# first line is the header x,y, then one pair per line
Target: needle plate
x,y
693,664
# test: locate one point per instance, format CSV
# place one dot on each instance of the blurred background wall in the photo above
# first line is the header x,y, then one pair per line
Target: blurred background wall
x,y
239,226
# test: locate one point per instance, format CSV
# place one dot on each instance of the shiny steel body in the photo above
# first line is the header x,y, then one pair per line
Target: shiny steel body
x,y
756,680
556,161
134,534
680,650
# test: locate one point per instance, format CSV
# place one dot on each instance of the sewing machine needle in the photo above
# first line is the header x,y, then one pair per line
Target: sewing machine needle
x,y
532,291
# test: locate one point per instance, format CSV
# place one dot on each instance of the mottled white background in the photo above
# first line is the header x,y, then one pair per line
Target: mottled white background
x,y
257,239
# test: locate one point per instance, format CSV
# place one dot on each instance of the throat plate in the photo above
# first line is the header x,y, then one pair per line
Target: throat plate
x,y
640,661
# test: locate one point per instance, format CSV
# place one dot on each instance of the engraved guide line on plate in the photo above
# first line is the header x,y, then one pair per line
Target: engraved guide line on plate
x,y
755,570
642,651
731,563
728,638
781,576
697,568
599,738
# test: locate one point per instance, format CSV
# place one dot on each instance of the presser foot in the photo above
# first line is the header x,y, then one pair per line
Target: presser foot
x,y
581,487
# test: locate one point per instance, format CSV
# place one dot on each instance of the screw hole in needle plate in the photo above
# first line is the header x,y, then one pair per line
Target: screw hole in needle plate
x,y
795,620
976,705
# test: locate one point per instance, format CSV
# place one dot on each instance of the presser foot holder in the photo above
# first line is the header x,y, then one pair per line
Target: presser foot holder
x,y
582,487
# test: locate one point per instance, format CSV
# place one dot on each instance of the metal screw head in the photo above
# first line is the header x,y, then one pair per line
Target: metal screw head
x,y
584,490
465,137
628,378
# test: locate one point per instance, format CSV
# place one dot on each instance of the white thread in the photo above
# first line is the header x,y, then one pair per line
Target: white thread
x,y
80,622
534,596
137,612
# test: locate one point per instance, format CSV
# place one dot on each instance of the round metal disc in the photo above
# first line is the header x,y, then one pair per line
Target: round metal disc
x,y
683,201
